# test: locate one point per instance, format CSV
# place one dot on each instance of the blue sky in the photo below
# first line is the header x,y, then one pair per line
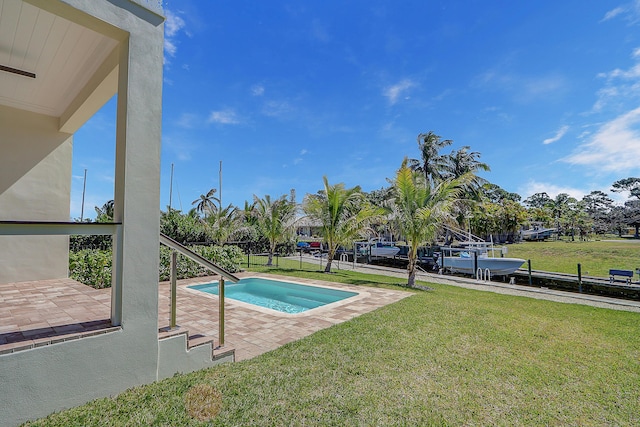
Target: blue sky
x,y
284,92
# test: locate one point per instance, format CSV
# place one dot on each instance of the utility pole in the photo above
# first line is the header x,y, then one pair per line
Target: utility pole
x,y
171,187
84,188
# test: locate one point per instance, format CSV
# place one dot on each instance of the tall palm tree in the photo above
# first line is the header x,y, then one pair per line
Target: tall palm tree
x,y
275,220
206,202
464,162
431,164
421,207
344,215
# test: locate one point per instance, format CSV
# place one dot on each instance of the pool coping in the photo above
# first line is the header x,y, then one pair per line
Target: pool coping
x,y
360,294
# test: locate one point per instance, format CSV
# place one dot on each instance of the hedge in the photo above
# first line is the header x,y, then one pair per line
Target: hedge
x,y
93,267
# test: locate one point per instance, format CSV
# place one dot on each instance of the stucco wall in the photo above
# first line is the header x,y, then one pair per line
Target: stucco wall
x,y
35,184
174,357
41,380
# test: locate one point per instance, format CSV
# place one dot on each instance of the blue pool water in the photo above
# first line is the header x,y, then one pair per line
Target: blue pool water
x,y
277,295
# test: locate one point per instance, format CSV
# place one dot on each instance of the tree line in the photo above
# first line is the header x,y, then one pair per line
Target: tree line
x,y
426,193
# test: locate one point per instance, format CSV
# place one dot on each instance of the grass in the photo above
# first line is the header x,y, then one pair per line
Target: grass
x,y
449,357
596,257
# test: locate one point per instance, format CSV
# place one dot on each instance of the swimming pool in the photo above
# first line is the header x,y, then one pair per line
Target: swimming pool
x,y
285,297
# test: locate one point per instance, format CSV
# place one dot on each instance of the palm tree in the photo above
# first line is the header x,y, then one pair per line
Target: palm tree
x,y
206,202
105,213
274,219
463,161
421,207
431,164
222,224
343,213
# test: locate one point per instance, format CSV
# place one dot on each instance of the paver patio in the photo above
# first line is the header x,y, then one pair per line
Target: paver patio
x,y
48,311
252,330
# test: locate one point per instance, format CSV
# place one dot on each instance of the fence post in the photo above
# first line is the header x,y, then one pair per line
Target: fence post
x,y
221,311
579,278
529,266
173,278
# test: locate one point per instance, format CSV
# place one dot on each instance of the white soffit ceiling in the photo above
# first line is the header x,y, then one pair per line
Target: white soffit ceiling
x,y
63,56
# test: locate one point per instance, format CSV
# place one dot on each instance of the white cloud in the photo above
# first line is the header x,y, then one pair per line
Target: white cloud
x,y
394,92
225,117
533,187
620,84
172,26
631,73
257,90
559,134
613,13
614,147
629,11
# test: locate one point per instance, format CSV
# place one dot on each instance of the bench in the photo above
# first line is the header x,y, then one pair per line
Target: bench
x,y
624,273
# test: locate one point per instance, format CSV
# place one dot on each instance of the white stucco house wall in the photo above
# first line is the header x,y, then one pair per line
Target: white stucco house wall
x,y
60,62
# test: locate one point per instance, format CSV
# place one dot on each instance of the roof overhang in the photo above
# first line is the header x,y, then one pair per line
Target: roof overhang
x,y
73,56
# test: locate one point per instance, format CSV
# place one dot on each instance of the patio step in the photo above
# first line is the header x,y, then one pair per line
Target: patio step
x,y
198,340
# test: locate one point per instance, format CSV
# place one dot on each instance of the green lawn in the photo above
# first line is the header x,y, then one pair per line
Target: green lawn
x,y
596,257
451,356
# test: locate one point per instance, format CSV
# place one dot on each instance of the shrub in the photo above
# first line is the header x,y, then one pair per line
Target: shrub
x,y
183,228
93,267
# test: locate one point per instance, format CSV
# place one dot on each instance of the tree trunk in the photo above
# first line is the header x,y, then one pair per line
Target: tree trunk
x,y
411,269
327,268
272,249
331,251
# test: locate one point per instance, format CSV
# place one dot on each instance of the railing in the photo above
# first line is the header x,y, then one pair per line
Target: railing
x,y
183,250
261,259
37,228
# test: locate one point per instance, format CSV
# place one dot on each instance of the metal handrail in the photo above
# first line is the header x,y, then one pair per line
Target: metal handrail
x,y
183,250
177,247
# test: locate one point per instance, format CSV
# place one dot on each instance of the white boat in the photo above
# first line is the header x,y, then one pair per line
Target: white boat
x,y
476,254
377,248
537,233
465,262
